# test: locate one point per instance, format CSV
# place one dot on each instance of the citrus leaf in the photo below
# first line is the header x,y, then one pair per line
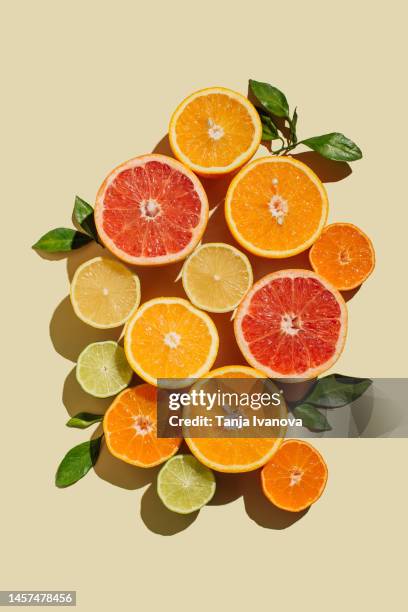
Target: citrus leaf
x,y
61,240
271,98
311,417
334,146
82,420
77,462
293,124
269,129
84,216
336,390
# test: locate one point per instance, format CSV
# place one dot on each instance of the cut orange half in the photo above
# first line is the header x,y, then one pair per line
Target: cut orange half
x,y
276,207
168,338
295,477
344,255
292,323
130,428
237,454
151,210
215,131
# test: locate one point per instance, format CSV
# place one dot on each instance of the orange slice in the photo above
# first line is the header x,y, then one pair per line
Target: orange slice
x,y
215,131
344,255
295,477
236,454
276,207
151,210
292,323
168,338
130,427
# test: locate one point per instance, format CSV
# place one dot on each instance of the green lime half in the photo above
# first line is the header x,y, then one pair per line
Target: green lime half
x,y
102,369
184,484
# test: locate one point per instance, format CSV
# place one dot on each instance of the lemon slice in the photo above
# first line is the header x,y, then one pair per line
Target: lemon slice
x,y
104,293
216,277
102,369
184,484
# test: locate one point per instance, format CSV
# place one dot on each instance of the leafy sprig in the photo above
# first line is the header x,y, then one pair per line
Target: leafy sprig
x,y
65,239
279,124
79,459
333,391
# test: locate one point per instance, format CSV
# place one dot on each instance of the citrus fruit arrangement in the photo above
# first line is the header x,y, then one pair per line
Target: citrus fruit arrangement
x,y
290,324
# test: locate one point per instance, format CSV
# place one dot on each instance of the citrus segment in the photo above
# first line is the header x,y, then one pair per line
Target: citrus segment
x,y
102,369
276,207
237,454
295,477
344,255
215,131
104,293
130,428
185,485
151,210
291,323
168,338
216,276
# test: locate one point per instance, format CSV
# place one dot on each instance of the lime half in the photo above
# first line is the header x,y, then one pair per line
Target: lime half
x,y
102,369
184,484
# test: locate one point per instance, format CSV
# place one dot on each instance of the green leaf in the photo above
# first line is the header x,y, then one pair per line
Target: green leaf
x,y
334,146
311,417
60,240
77,462
335,390
293,124
271,98
82,420
84,216
269,129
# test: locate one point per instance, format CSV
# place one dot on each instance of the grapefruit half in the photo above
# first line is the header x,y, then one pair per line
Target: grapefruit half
x,y
291,324
151,210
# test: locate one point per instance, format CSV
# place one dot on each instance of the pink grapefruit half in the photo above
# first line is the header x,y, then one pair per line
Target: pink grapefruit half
x,y
291,324
151,210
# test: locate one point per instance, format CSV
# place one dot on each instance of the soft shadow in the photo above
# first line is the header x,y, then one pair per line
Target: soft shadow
x,y
158,518
70,335
327,170
263,512
229,488
75,399
163,147
51,256
122,474
348,295
78,257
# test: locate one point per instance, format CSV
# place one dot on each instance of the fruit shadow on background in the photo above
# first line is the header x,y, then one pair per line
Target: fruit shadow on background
x,y
70,336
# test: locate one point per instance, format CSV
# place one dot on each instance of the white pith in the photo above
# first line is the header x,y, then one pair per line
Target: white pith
x,y
150,209
172,340
215,131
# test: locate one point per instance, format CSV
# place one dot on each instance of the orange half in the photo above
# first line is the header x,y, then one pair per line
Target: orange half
x,y
236,454
168,338
130,427
276,207
344,255
295,477
215,131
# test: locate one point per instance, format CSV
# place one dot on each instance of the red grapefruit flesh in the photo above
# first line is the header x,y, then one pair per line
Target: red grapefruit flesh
x,y
292,323
151,210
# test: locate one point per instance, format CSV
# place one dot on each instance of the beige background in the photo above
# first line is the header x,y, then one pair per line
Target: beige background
x,y
87,85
